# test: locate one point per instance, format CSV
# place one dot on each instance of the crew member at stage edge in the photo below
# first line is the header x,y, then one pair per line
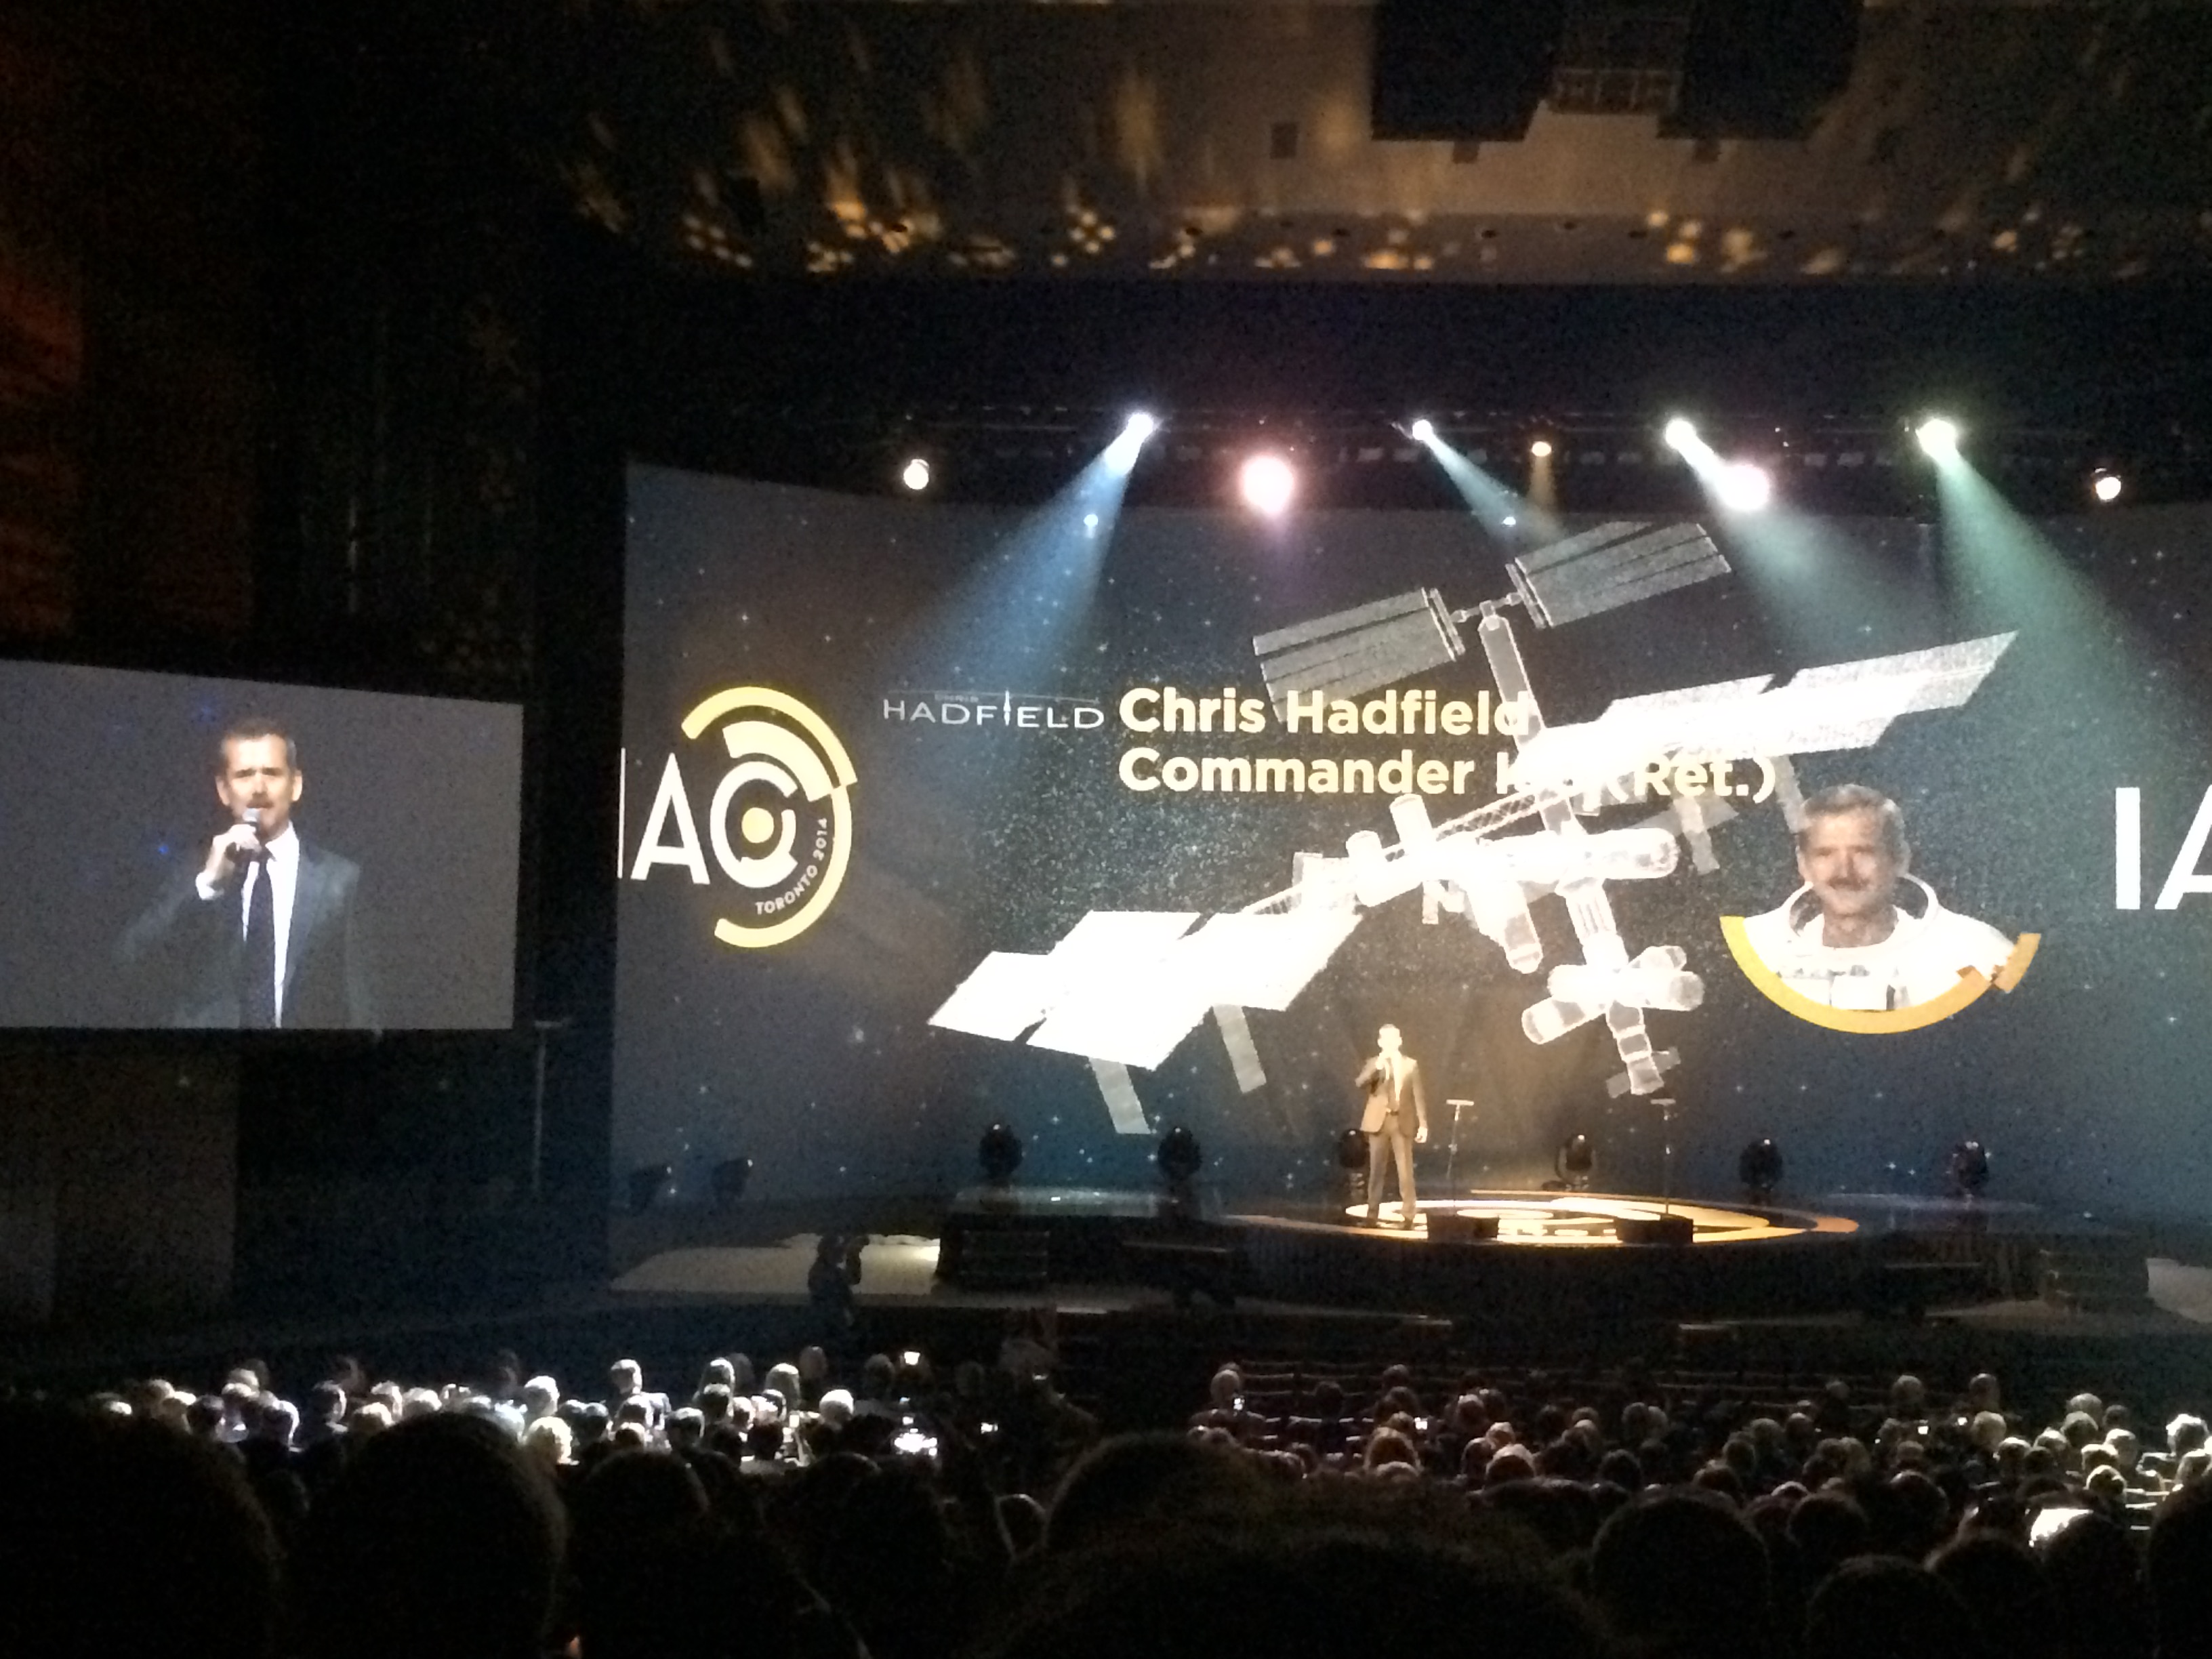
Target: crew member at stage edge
x,y
1844,938
1396,1118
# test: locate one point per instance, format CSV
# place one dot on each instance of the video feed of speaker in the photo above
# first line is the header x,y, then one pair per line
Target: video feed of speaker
x,y
1872,835
187,854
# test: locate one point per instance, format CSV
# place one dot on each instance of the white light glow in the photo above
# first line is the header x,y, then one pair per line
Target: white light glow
x,y
1268,484
1739,487
915,476
2107,487
1541,448
1938,436
1681,435
1422,432
1140,426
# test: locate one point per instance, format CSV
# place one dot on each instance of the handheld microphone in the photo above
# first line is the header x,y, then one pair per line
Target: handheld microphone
x,y
252,821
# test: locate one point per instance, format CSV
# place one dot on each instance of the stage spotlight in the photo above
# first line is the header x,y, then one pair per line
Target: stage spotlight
x,y
1140,427
915,474
999,1152
1969,1168
1421,432
1759,1167
644,1184
1576,1162
1541,449
1741,487
1268,484
1180,1156
1938,436
1681,436
2106,486
730,1177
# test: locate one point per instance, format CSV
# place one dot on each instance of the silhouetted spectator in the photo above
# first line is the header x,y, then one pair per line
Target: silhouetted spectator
x,y
120,1537
1878,1607
441,1541
1679,1573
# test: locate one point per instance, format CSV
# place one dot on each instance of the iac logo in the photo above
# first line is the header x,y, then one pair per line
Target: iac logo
x,y
780,820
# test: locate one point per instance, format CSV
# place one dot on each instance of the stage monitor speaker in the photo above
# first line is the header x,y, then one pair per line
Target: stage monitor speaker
x,y
1653,1230
1461,1227
1461,71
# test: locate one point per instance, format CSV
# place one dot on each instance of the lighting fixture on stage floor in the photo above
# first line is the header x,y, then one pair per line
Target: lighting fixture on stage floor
x,y
914,474
999,1152
1969,1168
1180,1156
2105,486
1759,1167
1352,1150
730,1177
645,1182
1938,436
1267,483
1576,1162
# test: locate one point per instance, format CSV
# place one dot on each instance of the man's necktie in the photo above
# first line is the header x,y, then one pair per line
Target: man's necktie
x,y
257,966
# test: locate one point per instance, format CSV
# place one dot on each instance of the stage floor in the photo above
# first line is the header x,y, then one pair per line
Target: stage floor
x,y
1578,1221
1555,1255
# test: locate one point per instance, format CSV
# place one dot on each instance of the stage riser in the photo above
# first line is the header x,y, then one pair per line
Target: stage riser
x,y
1558,1288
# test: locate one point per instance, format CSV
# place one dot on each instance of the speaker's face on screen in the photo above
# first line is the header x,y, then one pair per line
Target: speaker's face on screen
x,y
257,773
1850,865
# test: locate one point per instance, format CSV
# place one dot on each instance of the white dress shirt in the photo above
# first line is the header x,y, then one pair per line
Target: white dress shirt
x,y
282,866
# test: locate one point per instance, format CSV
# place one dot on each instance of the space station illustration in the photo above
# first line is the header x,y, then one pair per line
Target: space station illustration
x,y
1124,988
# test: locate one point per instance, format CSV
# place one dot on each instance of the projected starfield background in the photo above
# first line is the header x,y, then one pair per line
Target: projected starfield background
x,y
1094,823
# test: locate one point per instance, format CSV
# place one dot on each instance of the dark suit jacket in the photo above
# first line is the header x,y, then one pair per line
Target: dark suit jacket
x,y
1385,1115
186,949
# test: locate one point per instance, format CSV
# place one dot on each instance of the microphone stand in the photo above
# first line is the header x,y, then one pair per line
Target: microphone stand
x,y
545,1028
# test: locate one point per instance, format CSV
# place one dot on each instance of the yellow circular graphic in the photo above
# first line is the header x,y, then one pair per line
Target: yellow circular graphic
x,y
1970,988
794,763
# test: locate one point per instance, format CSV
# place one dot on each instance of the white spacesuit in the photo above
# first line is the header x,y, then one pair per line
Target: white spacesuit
x,y
1922,957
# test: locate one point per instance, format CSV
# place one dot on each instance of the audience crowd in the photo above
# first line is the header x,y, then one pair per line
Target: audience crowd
x,y
896,1514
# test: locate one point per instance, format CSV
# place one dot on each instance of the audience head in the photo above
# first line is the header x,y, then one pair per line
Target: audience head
x,y
122,1536
541,1397
1134,1482
440,1541
1680,1572
549,1441
1880,1608
2178,1563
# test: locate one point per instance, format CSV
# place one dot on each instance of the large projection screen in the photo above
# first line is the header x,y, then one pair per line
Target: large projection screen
x,y
396,912
937,816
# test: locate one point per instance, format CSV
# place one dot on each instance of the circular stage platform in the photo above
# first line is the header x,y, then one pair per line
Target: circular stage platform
x,y
1583,1220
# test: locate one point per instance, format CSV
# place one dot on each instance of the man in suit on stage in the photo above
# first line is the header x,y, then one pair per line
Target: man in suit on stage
x,y
265,934
1396,1118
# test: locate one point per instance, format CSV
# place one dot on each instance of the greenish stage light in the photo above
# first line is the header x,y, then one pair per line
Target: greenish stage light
x,y
1938,436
